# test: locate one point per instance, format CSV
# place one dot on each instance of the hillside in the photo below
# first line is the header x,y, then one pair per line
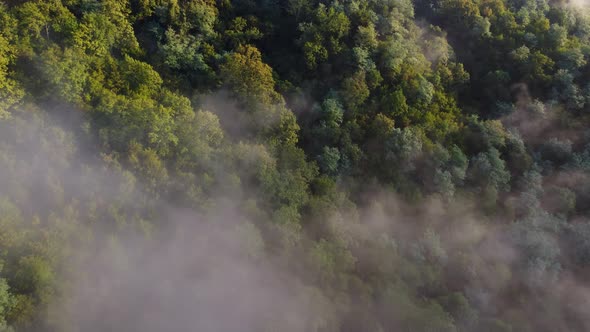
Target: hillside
x,y
295,165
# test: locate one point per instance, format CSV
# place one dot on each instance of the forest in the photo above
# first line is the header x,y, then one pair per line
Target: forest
x,y
295,165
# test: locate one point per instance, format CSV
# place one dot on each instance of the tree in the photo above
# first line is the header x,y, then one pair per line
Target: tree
x,y
139,78
329,159
199,137
241,32
10,92
249,78
323,36
487,171
355,91
395,104
6,303
66,71
189,56
35,276
404,147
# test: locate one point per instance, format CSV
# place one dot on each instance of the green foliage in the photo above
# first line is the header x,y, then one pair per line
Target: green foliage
x,y
355,91
488,172
10,93
6,303
407,166
322,35
329,159
249,78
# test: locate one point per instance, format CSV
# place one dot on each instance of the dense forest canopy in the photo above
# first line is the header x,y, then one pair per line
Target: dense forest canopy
x,y
295,165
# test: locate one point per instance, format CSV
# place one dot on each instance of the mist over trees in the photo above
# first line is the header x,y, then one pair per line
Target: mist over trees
x,y
295,165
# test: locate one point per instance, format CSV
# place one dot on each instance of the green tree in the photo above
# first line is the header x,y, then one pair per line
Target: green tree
x,y
249,78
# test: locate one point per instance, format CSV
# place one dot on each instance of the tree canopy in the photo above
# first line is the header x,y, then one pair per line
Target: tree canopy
x,y
320,165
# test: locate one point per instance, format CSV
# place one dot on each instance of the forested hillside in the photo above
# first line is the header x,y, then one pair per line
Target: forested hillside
x,y
295,165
